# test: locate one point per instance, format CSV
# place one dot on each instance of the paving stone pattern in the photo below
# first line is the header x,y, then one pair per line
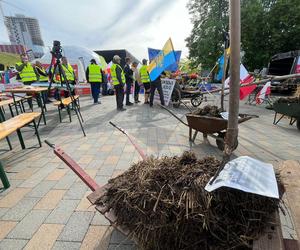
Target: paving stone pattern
x,y
46,197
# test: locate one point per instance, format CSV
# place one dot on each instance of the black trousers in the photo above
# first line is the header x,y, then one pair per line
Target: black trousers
x,y
119,91
136,91
128,89
104,88
154,86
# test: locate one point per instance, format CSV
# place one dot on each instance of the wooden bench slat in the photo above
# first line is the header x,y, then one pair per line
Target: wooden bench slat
x,y
15,123
66,101
9,101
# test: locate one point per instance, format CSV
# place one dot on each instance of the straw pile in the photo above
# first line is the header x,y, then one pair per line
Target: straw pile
x,y
163,203
208,110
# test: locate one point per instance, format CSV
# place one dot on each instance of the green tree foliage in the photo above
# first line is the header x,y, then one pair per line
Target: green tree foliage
x,y
268,27
210,21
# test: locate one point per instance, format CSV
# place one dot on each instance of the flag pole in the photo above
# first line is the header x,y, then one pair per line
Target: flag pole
x,y
235,38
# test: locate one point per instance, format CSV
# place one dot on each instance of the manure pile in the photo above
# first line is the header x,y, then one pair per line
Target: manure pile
x,y
208,110
162,202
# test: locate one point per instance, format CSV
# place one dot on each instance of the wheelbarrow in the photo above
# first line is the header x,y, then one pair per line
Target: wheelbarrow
x,y
291,110
209,126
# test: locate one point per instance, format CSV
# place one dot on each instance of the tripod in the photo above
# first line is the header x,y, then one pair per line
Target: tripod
x,y
56,63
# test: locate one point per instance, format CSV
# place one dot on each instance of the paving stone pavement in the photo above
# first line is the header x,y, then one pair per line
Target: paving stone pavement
x,y
46,205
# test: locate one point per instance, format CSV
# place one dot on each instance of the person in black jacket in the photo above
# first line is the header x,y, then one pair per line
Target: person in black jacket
x,y
156,84
129,80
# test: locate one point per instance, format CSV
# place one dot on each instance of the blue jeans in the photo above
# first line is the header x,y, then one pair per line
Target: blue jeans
x,y
95,88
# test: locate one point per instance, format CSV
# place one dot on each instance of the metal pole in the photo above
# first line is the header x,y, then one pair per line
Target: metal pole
x,y
235,37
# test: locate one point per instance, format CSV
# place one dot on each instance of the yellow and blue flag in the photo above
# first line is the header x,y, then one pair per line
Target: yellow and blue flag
x,y
152,53
162,61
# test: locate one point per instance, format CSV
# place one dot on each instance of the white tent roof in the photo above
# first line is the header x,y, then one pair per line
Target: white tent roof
x,y
74,54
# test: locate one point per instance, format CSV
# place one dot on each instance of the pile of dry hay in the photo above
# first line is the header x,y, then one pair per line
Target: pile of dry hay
x,y
163,203
208,110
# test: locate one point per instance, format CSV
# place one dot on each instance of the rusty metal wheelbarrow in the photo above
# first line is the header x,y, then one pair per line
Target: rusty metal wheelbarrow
x,y
209,126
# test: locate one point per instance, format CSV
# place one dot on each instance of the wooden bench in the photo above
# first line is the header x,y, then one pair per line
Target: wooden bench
x,y
14,125
10,103
66,103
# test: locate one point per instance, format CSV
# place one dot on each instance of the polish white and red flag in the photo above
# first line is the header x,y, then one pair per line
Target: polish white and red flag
x,y
261,95
298,66
245,78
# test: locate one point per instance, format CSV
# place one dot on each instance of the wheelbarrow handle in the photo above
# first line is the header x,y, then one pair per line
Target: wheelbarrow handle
x,y
74,166
137,147
174,115
118,128
51,145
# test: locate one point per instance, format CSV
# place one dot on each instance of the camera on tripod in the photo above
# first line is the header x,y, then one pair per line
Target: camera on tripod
x,y
56,50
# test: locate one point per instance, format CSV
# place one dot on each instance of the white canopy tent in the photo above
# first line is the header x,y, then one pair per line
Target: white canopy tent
x,y
76,55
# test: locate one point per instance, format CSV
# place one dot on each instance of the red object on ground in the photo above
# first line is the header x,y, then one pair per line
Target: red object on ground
x,y
76,169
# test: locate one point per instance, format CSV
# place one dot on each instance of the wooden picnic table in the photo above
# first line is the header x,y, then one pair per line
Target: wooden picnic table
x,y
32,90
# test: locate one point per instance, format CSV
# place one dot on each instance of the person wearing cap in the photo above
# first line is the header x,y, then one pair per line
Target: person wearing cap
x,y
26,71
145,79
129,80
94,75
118,81
156,84
137,81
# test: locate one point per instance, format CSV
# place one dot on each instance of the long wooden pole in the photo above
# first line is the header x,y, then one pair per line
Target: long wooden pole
x,y
235,38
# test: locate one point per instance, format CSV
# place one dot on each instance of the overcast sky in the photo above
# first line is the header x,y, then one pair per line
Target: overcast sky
x,y
107,24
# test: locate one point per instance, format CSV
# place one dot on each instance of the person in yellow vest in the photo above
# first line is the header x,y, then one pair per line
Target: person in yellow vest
x,y
118,81
42,76
70,74
145,79
94,75
26,71
41,72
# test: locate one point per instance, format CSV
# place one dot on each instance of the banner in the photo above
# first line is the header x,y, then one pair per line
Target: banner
x,y
167,87
163,60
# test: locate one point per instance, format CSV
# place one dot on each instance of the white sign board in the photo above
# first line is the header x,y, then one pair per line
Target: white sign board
x,y
167,87
249,175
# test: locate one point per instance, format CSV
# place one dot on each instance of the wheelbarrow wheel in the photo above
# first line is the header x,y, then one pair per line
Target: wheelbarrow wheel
x,y
176,97
220,141
197,100
298,124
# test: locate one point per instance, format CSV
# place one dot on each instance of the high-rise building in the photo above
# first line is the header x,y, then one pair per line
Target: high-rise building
x,y
25,31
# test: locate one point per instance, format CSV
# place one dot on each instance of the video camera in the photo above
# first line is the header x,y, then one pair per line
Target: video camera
x,y
56,50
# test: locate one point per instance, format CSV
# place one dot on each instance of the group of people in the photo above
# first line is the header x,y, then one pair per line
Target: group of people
x,y
131,75
121,78
29,73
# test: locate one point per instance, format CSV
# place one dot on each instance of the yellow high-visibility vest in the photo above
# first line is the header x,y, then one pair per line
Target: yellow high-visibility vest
x,y
27,74
144,74
113,73
42,78
69,71
95,74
